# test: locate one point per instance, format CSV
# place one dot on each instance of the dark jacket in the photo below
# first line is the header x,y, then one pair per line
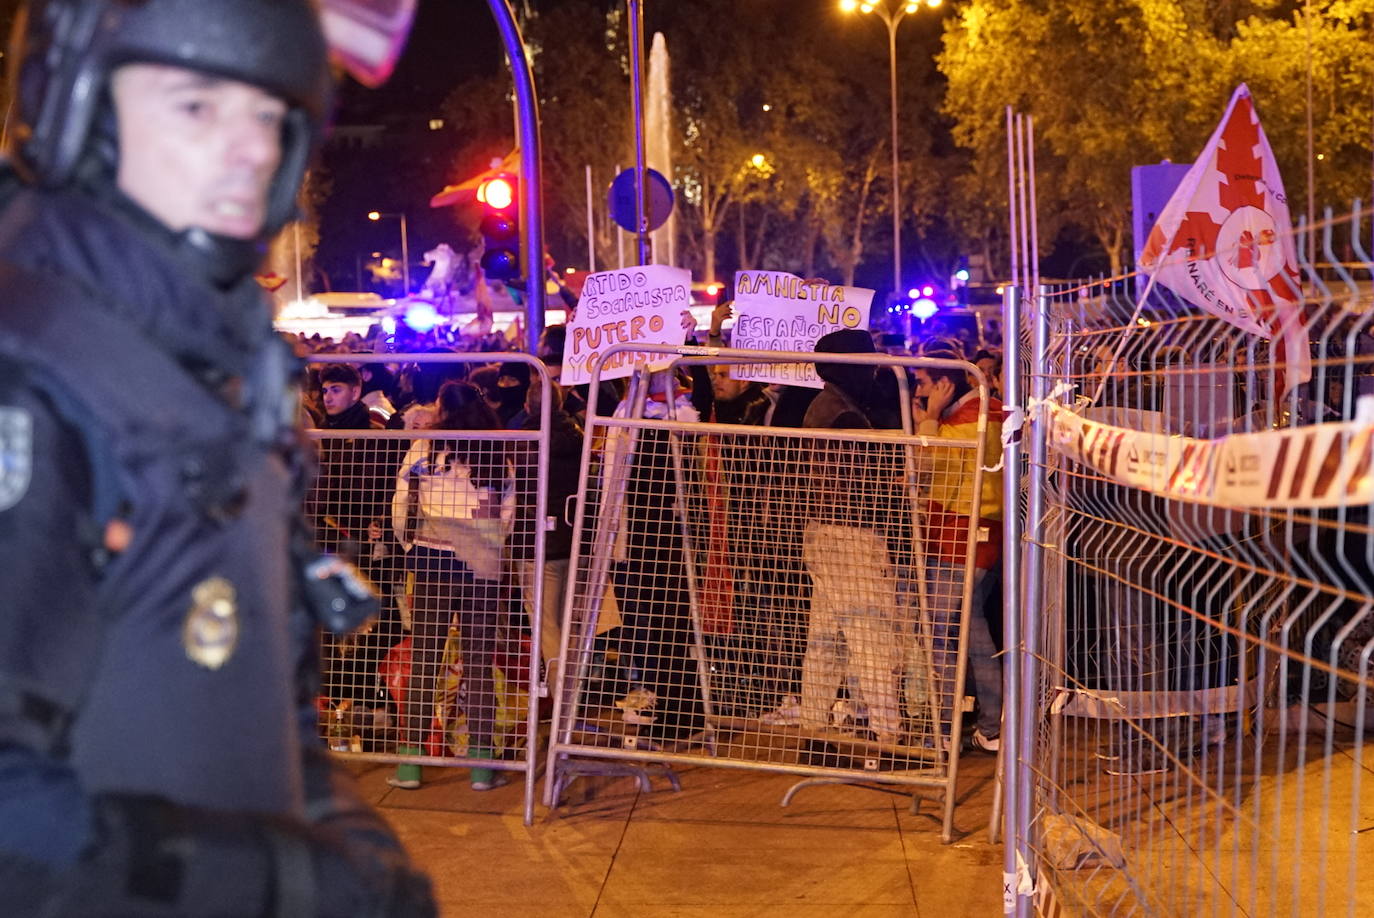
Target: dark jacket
x,y
854,483
356,417
833,409
565,460
168,707
749,407
354,483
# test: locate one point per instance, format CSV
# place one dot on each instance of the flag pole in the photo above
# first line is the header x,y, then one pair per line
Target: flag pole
x,y
1130,328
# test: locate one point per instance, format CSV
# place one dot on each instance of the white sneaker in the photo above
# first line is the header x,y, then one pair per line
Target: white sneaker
x,y
846,712
787,714
981,740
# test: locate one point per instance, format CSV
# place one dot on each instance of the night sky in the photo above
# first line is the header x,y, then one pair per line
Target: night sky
x,y
452,41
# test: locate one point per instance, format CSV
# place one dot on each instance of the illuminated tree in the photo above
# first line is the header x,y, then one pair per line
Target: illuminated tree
x,y
1117,83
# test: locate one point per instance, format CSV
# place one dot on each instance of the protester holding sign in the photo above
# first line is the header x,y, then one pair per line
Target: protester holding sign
x,y
776,311
633,305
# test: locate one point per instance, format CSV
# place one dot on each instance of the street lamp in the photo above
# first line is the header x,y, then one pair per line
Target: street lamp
x,y
891,14
376,215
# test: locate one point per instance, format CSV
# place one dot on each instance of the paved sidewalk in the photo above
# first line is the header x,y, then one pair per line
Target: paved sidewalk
x,y
723,847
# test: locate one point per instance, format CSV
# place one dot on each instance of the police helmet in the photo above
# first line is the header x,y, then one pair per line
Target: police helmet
x,y
66,51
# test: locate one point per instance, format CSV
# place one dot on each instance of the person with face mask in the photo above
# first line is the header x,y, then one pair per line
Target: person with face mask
x,y
158,747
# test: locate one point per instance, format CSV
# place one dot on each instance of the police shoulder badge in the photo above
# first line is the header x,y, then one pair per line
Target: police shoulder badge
x,y
16,454
211,630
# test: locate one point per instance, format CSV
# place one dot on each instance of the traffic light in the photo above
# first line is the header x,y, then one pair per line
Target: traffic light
x,y
500,227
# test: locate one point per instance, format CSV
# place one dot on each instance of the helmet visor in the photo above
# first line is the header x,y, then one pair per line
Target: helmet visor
x,y
366,36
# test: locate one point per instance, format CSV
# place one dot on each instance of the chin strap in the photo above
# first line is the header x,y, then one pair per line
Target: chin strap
x,y
222,260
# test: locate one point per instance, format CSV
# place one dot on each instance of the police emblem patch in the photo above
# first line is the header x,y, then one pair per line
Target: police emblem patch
x,y
16,455
211,630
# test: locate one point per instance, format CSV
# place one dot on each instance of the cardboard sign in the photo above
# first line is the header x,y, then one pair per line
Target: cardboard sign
x,y
776,311
641,304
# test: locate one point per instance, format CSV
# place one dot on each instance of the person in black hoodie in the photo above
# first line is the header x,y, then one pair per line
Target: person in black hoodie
x,y
565,455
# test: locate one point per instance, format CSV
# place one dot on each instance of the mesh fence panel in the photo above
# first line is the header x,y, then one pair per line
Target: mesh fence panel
x,y
1204,695
780,598
448,525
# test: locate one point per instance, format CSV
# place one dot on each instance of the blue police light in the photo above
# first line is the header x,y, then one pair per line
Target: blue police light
x,y
388,325
915,293
927,290
961,275
421,316
924,308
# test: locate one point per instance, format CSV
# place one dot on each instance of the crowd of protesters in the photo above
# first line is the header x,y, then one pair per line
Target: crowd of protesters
x,y
444,528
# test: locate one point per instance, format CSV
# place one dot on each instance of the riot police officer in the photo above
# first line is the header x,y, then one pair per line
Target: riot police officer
x,y
158,597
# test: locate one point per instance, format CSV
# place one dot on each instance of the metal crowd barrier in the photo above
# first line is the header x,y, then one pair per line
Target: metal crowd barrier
x,y
768,598
449,525
1198,615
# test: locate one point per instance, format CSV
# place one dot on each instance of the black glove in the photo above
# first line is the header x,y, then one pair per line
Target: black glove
x,y
155,858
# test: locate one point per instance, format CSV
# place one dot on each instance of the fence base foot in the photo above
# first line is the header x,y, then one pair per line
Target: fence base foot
x,y
572,769
816,782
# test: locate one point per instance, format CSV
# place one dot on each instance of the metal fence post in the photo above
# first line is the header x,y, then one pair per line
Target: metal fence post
x,y
1021,799
1013,604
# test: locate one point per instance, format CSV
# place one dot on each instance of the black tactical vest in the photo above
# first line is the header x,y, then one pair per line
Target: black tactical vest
x,y
189,690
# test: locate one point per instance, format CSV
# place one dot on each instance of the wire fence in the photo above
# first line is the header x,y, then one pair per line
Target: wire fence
x,y
791,598
448,523
1200,583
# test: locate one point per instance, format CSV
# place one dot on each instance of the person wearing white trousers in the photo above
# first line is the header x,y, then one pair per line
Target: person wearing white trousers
x,y
854,629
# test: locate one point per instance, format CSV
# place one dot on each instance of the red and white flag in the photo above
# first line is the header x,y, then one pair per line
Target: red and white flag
x,y
1224,242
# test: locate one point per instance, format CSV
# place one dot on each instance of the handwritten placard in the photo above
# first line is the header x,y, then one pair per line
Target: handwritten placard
x,y
641,304
776,311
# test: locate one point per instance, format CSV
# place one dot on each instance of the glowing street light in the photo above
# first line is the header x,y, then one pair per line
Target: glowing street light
x,y
376,215
891,15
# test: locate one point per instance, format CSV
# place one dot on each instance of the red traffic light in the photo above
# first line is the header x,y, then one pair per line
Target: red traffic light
x,y
496,193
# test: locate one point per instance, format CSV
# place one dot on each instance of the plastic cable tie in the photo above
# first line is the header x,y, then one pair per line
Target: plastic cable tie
x,y
1036,407
1025,883
1011,433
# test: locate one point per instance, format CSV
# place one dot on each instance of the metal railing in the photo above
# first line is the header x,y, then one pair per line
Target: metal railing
x,y
449,525
785,599
1197,619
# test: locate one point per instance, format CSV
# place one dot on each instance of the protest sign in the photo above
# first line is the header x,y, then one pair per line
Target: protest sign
x,y
776,311
642,304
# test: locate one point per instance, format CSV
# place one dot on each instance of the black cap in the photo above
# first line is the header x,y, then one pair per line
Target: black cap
x,y
854,379
520,372
846,341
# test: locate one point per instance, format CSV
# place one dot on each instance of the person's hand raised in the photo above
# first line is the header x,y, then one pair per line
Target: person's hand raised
x,y
720,314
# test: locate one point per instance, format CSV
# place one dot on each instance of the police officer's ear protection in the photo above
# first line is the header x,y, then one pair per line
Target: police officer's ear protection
x,y
66,50
61,89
